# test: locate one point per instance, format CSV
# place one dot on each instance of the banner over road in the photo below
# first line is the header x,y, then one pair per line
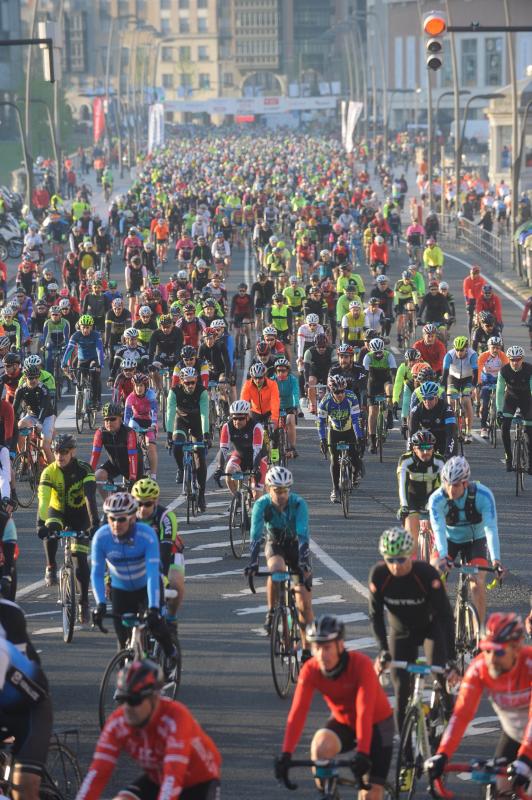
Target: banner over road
x,y
252,105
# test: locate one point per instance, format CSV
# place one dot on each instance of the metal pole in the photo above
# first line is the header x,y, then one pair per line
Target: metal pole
x,y
515,130
57,103
519,162
442,197
374,80
456,94
107,74
52,132
430,135
365,81
118,107
27,158
28,71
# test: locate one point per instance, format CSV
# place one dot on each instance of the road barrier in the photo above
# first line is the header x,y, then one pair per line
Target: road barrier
x,y
458,230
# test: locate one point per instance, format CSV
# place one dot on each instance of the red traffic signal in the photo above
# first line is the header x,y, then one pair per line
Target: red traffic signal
x,y
434,23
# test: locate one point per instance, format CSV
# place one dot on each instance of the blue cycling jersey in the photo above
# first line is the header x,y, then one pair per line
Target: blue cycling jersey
x,y
291,524
90,348
288,392
341,416
132,561
18,678
465,531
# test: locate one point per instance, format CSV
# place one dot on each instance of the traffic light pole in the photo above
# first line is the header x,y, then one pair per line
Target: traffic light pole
x,y
475,27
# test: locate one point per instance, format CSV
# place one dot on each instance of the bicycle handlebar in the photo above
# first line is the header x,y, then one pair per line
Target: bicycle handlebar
x,y
128,620
481,772
325,763
276,576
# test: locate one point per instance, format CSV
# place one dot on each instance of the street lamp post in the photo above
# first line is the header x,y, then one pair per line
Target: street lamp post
x,y
492,96
28,165
53,136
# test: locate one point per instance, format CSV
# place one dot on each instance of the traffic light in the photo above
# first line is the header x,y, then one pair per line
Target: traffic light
x,y
435,26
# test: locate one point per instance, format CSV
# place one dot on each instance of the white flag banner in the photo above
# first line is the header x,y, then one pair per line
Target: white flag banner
x,y
156,127
354,110
343,113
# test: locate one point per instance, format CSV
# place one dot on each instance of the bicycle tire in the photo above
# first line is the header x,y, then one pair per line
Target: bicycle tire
x,y
62,771
516,461
423,546
280,651
492,422
295,638
524,462
467,634
282,446
67,597
235,520
163,401
25,479
407,758
106,704
345,489
172,682
80,412
380,433
436,722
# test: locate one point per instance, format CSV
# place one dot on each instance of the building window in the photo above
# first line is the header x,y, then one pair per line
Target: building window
x,y
446,74
202,4
184,25
203,53
168,80
185,80
493,51
165,26
165,5
184,4
204,80
184,53
469,62
228,80
202,24
166,54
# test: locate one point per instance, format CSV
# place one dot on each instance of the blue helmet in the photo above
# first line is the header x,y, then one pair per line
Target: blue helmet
x,y
429,389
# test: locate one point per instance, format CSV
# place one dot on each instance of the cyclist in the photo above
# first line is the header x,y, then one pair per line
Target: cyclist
x,y
431,348
386,296
490,302
96,304
33,408
317,362
161,735
280,315
55,335
90,355
486,328
140,413
463,517
339,421
381,367
434,307
514,390
165,346
146,325
262,293
117,320
123,385
146,492
161,235
418,609
262,393
132,350
189,358
354,373
282,517
67,500
246,436
460,375
405,302
188,414
472,289
504,670
404,383
418,475
289,401
433,258
490,364
360,714
241,312
191,326
378,256
353,323
45,377
129,551
120,442
434,414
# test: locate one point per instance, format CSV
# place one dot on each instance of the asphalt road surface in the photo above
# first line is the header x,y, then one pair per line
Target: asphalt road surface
x,y
226,673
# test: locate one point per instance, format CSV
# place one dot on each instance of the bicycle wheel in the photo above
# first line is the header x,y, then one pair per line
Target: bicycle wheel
x,y
25,479
424,546
67,597
106,703
171,669
380,432
242,351
436,721
524,462
80,411
280,651
245,522
236,514
62,772
492,422
162,406
345,488
409,757
282,447
467,634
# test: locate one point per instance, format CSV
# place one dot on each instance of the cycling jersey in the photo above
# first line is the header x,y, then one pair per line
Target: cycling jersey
x,y
318,362
456,367
439,420
510,696
22,682
191,329
217,357
295,296
353,326
115,325
356,377
146,330
141,408
462,521
433,257
45,377
89,348
263,400
340,416
514,388
433,353
63,492
167,345
280,527
37,402
288,391
123,450
241,307
404,291
490,365
305,338
417,480
173,750
55,333
132,562
190,410
138,354
246,441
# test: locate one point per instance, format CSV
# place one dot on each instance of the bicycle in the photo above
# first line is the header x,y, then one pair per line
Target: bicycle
x,y
141,645
285,635
346,476
426,542
519,451
218,405
282,439
240,512
457,405
162,395
27,467
57,371
241,341
84,402
328,772
61,775
382,426
144,443
67,582
408,327
422,727
483,772
190,477
492,418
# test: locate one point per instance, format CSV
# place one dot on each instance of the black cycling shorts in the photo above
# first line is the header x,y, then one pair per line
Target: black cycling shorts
x,y
471,552
381,745
115,472
31,730
145,789
289,552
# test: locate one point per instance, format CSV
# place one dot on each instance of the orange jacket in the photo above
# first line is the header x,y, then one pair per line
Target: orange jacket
x,y
264,400
472,287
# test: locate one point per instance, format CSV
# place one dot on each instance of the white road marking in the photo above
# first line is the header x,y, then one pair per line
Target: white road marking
x,y
44,631
203,530
358,616
337,568
210,560
475,727
316,601
208,575
360,644
43,613
213,545
499,288
262,589
31,587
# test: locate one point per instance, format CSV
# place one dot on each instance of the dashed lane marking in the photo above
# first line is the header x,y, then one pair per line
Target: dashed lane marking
x,y
337,568
316,601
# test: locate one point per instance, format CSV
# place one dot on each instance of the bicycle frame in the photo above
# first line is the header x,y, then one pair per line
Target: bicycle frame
x,y
483,772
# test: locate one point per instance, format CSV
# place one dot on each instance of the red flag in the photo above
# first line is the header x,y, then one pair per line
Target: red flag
x,y
98,119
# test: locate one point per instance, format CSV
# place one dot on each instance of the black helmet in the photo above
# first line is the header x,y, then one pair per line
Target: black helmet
x,y
31,371
278,297
112,410
325,629
64,441
139,679
320,339
11,358
370,334
188,352
426,374
423,437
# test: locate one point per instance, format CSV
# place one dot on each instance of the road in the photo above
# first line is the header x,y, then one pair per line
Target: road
x,y
226,673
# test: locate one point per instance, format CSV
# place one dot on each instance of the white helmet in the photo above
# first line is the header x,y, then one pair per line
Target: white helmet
x,y
279,476
515,351
376,345
269,330
217,324
379,240
187,372
443,285
312,319
144,310
129,363
182,275
456,470
354,304
65,303
131,333
33,361
382,279
120,503
240,407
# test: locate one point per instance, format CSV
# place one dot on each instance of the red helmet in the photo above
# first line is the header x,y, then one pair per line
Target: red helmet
x,y
501,628
138,680
262,348
140,379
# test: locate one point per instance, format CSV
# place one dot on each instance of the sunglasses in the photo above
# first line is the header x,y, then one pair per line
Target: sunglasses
x,y
110,419
130,701
117,519
283,369
189,383
238,419
516,360
280,489
146,503
338,391
424,447
396,560
499,652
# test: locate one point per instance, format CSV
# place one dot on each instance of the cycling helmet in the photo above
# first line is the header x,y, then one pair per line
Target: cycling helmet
x,y
412,354
396,542
354,304
11,358
376,345
111,410
326,628
188,352
262,348
336,383
282,362
278,297
258,370
209,302
52,287
345,350
279,477
166,319
502,627
460,342
374,301
426,373
187,373
430,327
429,390
320,340
118,302
325,254
312,319
486,289
140,379
217,324
431,241
31,372
240,407
64,303
131,333
55,310
32,361
418,366
86,319
269,330
201,263
138,679
379,240
244,286
182,275
456,470
120,503
145,311
128,363
148,246
515,351
423,437
381,279
209,332
495,340
405,275
486,317
64,441
443,285
146,489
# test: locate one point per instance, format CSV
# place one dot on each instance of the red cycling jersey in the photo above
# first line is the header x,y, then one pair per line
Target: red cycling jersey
x,y
433,353
191,330
510,695
172,749
355,699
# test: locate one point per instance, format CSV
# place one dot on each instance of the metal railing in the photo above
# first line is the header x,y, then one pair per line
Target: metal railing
x,y
459,231
524,263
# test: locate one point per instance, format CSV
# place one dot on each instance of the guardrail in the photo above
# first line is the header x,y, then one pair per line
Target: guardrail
x,y
458,230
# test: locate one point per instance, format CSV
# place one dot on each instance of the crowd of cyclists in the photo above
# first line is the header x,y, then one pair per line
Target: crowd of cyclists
x,y
234,372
